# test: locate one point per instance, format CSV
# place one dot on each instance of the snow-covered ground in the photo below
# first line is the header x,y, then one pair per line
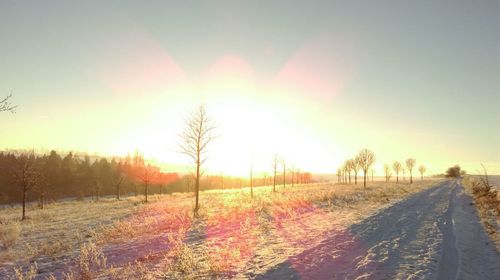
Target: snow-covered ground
x,y
434,234
427,230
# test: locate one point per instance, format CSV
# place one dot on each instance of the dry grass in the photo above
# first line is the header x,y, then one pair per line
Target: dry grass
x,y
162,239
9,233
487,201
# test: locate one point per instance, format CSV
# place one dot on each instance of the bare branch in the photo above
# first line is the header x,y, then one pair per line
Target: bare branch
x,y
6,106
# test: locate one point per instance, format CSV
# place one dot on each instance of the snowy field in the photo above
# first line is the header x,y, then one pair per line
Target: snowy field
x,y
324,231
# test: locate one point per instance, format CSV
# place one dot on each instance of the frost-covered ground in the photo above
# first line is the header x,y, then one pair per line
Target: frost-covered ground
x,y
327,231
434,234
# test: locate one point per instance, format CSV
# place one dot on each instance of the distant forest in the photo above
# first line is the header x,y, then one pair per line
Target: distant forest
x,y
48,177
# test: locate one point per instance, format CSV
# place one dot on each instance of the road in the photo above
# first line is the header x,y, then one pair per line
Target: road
x,y
434,234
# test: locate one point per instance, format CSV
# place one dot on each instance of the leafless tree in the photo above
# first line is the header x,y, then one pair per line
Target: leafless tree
x,y
344,171
284,171
422,170
251,180
25,174
146,175
339,175
387,171
6,106
366,160
41,184
274,165
196,138
116,181
410,163
396,166
356,167
349,167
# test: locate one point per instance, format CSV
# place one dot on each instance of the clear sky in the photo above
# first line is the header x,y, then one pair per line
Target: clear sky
x,y
312,81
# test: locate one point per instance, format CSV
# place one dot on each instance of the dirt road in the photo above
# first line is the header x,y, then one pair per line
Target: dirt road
x,y
434,234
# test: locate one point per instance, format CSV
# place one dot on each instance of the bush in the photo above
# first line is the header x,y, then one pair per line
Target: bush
x,y
454,172
10,233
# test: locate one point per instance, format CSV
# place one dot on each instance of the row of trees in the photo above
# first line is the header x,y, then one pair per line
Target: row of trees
x,y
291,175
398,168
363,161
26,176
197,136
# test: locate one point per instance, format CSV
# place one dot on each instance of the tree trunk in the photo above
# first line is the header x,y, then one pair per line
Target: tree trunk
x,y
24,203
349,177
411,178
397,178
355,178
42,199
251,188
284,176
197,187
364,180
146,191
274,181
118,192
251,182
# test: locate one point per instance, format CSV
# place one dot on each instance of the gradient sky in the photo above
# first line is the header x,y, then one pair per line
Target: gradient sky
x,y
313,81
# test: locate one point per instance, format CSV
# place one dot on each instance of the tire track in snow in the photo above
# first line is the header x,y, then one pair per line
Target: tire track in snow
x,y
449,260
434,234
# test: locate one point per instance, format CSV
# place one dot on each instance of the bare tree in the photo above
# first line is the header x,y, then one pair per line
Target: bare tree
x,y
292,172
387,171
366,160
25,174
404,171
284,171
251,180
274,164
356,167
196,137
422,170
344,171
349,167
339,175
116,181
41,185
396,166
6,106
410,163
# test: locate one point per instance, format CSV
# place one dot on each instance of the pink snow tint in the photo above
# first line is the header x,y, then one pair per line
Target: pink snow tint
x,y
231,240
156,224
333,251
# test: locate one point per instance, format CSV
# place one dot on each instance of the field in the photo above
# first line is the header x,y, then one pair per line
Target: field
x,y
233,235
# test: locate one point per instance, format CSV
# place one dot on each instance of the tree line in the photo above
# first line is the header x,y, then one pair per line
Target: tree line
x,y
363,162
27,176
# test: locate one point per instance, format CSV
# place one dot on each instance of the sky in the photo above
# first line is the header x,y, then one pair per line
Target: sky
x,y
313,82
